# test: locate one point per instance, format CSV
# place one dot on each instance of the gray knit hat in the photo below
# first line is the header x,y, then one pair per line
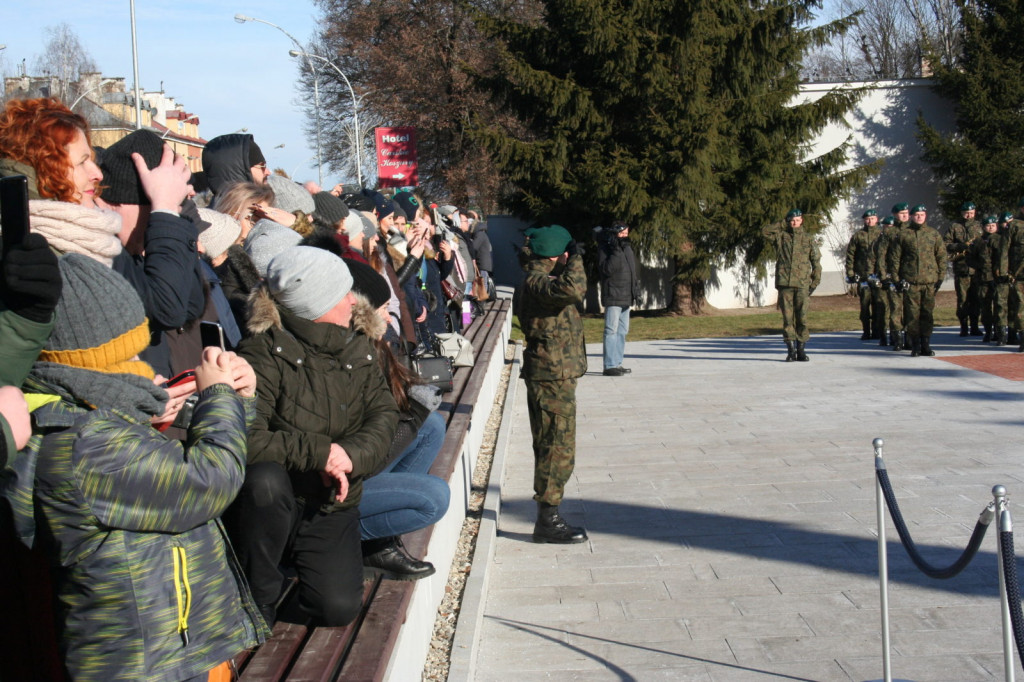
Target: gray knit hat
x,y
369,224
330,210
220,235
353,225
308,281
290,197
267,239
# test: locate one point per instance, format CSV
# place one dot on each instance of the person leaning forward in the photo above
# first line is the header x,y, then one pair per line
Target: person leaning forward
x,y
797,275
917,260
555,357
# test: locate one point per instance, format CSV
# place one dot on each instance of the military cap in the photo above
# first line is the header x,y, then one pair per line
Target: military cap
x,y
1006,217
919,208
991,219
794,213
888,221
549,242
870,212
902,206
968,206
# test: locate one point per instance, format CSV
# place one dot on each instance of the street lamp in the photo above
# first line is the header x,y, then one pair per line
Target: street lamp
x,y
241,18
183,120
355,105
95,87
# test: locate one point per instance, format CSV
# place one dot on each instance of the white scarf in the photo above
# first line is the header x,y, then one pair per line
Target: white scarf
x,y
71,228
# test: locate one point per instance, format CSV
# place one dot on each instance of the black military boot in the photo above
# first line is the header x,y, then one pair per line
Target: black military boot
x,y
897,341
800,354
866,336
551,527
975,331
915,346
884,339
1012,336
988,334
790,352
1020,349
926,347
388,557
963,327
1000,339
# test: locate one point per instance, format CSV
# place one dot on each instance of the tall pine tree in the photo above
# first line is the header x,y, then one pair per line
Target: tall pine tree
x,y
983,160
672,115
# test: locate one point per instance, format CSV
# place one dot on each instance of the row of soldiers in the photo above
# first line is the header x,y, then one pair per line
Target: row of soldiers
x,y
900,264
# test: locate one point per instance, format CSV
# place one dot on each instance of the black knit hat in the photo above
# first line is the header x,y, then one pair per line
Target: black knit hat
x,y
408,203
330,210
255,154
120,179
369,283
359,202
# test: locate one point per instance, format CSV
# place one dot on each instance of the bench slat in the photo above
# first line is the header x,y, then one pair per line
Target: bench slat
x,y
368,659
271,661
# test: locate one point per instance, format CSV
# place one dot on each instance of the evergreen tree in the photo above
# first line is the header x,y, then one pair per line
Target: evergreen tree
x,y
982,161
673,115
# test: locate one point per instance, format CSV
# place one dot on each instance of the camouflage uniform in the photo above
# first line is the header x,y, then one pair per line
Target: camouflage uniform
x,y
918,257
968,286
860,265
1014,237
987,256
554,359
879,283
797,273
894,297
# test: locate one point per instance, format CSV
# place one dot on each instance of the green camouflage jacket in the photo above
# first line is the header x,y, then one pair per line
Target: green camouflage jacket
x,y
551,322
958,236
798,260
860,253
987,256
1015,249
146,583
918,255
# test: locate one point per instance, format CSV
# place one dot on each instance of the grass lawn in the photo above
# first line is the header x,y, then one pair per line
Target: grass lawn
x,y
828,314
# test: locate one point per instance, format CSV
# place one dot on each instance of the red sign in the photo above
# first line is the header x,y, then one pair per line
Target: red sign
x,y
396,157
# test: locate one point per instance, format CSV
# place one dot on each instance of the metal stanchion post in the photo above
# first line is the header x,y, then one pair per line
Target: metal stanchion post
x,y
1004,525
883,562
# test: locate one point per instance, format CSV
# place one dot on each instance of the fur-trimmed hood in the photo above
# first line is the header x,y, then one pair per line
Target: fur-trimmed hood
x,y
265,314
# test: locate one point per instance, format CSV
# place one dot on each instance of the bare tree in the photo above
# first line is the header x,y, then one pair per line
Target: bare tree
x,y
64,59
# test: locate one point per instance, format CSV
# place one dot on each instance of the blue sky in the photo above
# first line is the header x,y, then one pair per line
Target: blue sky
x,y
232,75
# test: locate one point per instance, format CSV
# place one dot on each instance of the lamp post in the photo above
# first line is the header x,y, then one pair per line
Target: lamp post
x,y
183,120
355,105
241,18
135,67
95,87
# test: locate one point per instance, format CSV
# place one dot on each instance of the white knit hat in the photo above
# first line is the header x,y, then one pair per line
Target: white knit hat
x,y
220,235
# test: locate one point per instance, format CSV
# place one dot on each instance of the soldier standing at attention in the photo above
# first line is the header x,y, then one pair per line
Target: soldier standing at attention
x,y
958,239
860,267
797,274
917,258
1014,236
881,281
986,258
897,322
554,359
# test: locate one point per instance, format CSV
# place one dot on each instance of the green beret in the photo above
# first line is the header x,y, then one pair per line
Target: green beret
x,y
888,221
794,213
968,206
870,212
991,219
902,206
549,242
920,208
1007,217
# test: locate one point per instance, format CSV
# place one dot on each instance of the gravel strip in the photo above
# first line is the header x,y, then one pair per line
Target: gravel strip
x,y
436,668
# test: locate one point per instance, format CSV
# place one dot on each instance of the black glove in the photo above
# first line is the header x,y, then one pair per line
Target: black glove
x,y
574,249
1003,279
31,281
938,285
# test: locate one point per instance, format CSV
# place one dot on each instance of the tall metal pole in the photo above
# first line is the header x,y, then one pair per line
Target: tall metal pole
x,y
883,562
241,18
1004,525
355,107
135,66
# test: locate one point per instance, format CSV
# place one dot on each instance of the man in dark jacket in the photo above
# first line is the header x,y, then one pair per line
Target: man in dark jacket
x,y
230,159
325,420
555,357
619,290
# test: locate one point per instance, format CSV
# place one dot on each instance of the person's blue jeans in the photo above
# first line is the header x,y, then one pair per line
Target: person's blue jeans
x,y
616,326
404,497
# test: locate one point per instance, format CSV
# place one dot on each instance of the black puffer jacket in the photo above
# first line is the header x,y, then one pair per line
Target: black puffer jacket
x,y
319,384
619,284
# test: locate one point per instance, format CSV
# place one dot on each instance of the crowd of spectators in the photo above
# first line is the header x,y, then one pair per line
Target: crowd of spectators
x,y
170,482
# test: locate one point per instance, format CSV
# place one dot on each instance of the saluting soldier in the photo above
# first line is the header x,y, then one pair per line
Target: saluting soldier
x,y
917,258
797,275
860,270
958,239
554,359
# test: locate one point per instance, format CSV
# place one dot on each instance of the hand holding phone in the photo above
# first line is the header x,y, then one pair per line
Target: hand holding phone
x,y
211,334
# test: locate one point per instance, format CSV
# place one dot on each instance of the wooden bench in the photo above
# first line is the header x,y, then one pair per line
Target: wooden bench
x,y
366,649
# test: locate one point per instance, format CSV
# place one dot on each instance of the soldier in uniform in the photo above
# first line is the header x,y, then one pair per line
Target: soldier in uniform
x,y
860,270
797,274
986,258
958,239
897,326
880,281
1013,236
554,359
917,259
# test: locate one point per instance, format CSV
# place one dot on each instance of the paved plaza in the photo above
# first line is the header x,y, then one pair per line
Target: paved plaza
x,y
729,497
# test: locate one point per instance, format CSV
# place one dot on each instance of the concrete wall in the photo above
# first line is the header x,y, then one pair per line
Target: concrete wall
x,y
882,126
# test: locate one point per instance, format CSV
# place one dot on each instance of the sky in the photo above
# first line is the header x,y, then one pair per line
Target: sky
x,y
231,75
